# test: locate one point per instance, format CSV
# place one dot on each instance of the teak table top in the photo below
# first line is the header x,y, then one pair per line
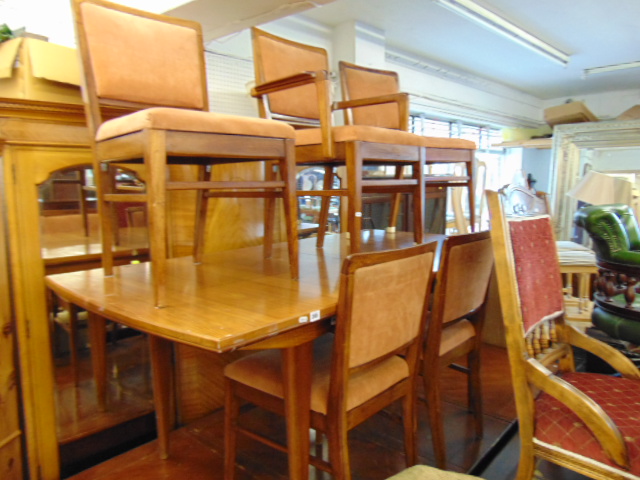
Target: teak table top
x,y
233,299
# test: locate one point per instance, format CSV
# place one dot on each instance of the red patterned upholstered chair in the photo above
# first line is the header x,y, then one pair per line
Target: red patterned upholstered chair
x,y
586,422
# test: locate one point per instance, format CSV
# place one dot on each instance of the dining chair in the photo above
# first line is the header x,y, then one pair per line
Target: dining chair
x,y
154,65
586,422
370,363
455,325
378,90
293,84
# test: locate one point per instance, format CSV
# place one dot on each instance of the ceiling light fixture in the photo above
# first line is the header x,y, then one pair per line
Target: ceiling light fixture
x,y
498,24
610,68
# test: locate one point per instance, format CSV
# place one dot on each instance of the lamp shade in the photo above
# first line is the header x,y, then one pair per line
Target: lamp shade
x,y
598,188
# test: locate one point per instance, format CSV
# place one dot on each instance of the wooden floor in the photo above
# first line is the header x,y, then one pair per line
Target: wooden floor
x,y
197,449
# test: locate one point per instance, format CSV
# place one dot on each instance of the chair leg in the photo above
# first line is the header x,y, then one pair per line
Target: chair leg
x,y
339,449
395,203
434,405
202,206
472,199
354,196
73,341
231,412
155,162
104,186
410,428
475,390
290,200
270,210
419,195
325,203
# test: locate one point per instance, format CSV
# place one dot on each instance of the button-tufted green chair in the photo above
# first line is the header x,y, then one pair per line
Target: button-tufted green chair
x,y
616,241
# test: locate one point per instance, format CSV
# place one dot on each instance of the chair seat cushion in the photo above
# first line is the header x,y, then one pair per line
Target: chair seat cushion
x,y
456,334
454,143
263,371
423,472
178,119
362,133
619,398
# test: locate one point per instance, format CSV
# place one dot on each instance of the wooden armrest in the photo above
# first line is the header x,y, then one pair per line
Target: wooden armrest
x,y
589,412
296,80
606,352
399,98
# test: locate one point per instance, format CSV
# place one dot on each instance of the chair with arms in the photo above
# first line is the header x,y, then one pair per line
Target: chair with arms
x,y
369,97
155,64
371,363
293,84
615,235
586,422
455,325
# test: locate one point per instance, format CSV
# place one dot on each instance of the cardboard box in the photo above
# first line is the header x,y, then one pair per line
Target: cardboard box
x,y
574,112
32,69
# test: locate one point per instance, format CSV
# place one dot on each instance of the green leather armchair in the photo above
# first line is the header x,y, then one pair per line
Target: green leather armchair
x,y
616,242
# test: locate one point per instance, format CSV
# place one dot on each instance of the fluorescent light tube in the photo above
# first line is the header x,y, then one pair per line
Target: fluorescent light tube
x,y
498,24
611,68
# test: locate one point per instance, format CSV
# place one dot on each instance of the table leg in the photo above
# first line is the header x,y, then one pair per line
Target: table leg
x,y
161,352
297,394
98,339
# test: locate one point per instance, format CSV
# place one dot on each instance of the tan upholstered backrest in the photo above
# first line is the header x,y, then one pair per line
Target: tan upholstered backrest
x,y
360,82
276,58
143,58
468,271
388,304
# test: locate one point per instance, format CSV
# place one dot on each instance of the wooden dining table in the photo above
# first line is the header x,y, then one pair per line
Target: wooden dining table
x,y
232,300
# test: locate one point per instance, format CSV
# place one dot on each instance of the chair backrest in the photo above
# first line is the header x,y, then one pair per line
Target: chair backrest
x,y
359,82
530,288
137,59
382,308
276,58
463,278
613,230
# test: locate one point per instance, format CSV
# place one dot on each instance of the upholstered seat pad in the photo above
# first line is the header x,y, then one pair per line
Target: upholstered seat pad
x,y
263,371
178,119
362,133
454,143
619,398
456,334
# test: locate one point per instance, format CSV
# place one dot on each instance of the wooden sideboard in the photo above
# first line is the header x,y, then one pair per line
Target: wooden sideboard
x,y
38,138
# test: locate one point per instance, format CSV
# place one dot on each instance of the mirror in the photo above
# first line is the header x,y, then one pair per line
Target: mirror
x,y
70,240
609,147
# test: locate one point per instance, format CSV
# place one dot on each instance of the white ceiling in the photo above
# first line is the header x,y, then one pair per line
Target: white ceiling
x,y
594,32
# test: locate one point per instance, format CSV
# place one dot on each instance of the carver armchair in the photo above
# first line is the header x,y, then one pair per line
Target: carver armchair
x,y
293,84
373,97
586,422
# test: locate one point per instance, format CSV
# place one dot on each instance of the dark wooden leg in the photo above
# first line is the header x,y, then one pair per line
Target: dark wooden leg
x,y
297,399
290,200
325,203
354,187
161,351
98,339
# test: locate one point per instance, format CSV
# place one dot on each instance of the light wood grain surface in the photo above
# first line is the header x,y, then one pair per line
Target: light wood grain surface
x,y
233,299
